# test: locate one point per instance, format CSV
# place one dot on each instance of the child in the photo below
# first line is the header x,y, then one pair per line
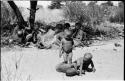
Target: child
x,y
82,64
78,34
66,47
60,35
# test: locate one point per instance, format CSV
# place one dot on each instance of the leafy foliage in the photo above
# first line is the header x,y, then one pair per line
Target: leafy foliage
x,y
95,15
7,14
55,4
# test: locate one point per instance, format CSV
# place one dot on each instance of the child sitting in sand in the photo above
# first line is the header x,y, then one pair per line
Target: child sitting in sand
x,y
81,64
66,47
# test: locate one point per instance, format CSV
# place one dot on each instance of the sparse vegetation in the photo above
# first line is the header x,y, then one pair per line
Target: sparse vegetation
x,y
94,15
107,30
56,4
101,22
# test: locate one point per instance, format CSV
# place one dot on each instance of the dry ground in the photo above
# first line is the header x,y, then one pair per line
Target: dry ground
x,y
39,64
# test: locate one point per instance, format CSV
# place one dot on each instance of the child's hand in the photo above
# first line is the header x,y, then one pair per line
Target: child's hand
x,y
60,55
80,74
93,69
60,52
83,72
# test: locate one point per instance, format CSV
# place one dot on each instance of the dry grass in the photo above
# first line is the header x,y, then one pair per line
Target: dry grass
x,y
11,71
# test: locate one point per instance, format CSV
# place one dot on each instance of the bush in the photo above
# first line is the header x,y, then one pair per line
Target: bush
x,y
55,5
8,18
118,17
107,30
76,11
7,15
96,16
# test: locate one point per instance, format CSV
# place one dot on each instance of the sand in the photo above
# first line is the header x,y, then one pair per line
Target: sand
x,y
39,64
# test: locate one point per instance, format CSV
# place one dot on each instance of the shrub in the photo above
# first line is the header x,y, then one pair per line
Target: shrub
x,y
7,14
78,11
118,17
75,11
107,30
55,4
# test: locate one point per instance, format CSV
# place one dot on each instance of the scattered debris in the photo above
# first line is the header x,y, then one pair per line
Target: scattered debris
x,y
99,38
114,49
117,45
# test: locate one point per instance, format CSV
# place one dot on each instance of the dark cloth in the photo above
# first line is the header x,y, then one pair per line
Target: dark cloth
x,y
85,65
66,51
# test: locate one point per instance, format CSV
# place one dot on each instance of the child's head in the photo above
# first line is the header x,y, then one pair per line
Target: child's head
x,y
87,56
59,28
66,26
68,33
20,33
78,25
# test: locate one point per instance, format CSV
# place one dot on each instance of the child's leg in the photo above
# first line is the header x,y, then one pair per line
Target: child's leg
x,y
65,58
61,51
70,57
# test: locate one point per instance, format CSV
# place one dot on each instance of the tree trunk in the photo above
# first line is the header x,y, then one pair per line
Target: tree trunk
x,y
33,9
21,21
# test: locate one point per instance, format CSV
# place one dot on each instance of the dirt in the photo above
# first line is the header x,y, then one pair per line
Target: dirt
x,y
39,64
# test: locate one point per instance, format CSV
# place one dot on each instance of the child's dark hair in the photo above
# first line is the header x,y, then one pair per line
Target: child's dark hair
x,y
66,25
49,27
59,26
68,33
78,24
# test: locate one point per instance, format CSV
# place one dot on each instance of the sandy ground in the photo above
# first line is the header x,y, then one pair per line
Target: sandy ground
x,y
39,64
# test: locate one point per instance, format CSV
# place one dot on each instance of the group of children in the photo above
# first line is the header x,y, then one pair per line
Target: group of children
x,y
66,48
65,38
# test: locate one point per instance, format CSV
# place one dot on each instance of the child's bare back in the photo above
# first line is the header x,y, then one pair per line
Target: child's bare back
x,y
82,63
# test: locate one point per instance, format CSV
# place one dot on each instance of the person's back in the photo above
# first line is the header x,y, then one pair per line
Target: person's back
x,y
83,62
86,59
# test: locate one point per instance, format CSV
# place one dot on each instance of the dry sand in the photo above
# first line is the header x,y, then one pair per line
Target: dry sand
x,y
39,64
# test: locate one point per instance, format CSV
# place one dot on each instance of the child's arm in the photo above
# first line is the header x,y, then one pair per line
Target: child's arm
x,y
74,65
60,51
81,66
93,68
73,44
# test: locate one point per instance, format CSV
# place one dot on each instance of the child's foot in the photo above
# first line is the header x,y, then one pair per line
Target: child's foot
x,y
83,72
65,62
